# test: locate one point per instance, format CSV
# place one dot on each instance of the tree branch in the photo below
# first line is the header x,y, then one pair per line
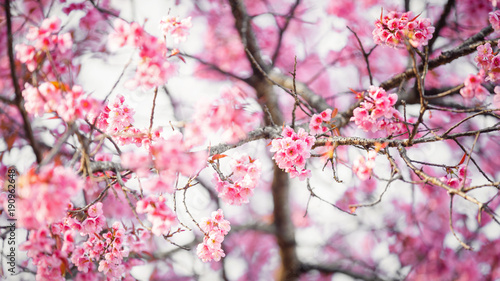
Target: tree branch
x,y
19,96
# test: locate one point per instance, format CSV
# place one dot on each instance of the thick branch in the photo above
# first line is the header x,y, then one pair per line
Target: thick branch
x,y
333,268
19,97
285,232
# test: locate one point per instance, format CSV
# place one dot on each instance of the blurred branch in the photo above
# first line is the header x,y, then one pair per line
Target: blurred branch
x,y
334,268
285,230
441,23
15,82
283,29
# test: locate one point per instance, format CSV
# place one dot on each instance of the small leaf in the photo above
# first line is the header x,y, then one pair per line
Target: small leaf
x,y
415,18
462,160
218,156
336,132
334,112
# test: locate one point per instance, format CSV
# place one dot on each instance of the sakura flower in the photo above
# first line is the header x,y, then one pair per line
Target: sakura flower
x,y
179,29
363,167
292,151
158,213
215,228
45,195
393,28
376,112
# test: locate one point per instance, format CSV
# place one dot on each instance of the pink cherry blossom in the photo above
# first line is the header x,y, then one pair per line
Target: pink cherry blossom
x,y
292,151
393,28
377,113
215,229
238,187
178,29
45,195
158,213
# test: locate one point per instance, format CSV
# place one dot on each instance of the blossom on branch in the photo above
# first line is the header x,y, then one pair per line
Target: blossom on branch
x,y
377,112
215,228
292,152
394,28
237,188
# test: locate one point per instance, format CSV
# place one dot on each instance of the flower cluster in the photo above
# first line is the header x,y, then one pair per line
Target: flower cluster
x,y
93,223
459,180
393,28
292,151
363,167
238,187
473,88
45,196
116,118
153,69
228,113
179,29
158,213
494,18
376,112
215,228
172,156
496,98
40,248
316,123
108,248
69,104
488,62
45,39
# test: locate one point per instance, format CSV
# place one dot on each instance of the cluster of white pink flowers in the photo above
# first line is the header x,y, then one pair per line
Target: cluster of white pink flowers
x,y
392,29
108,248
158,213
40,248
496,98
215,228
116,117
228,113
363,167
153,69
177,28
457,180
45,196
473,88
93,223
69,104
172,156
292,151
376,112
45,38
238,187
488,62
316,123
116,120
494,18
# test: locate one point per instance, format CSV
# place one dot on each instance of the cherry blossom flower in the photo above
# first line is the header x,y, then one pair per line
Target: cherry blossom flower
x,y
215,228
292,151
238,187
363,167
393,28
376,112
178,29
158,213
45,195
